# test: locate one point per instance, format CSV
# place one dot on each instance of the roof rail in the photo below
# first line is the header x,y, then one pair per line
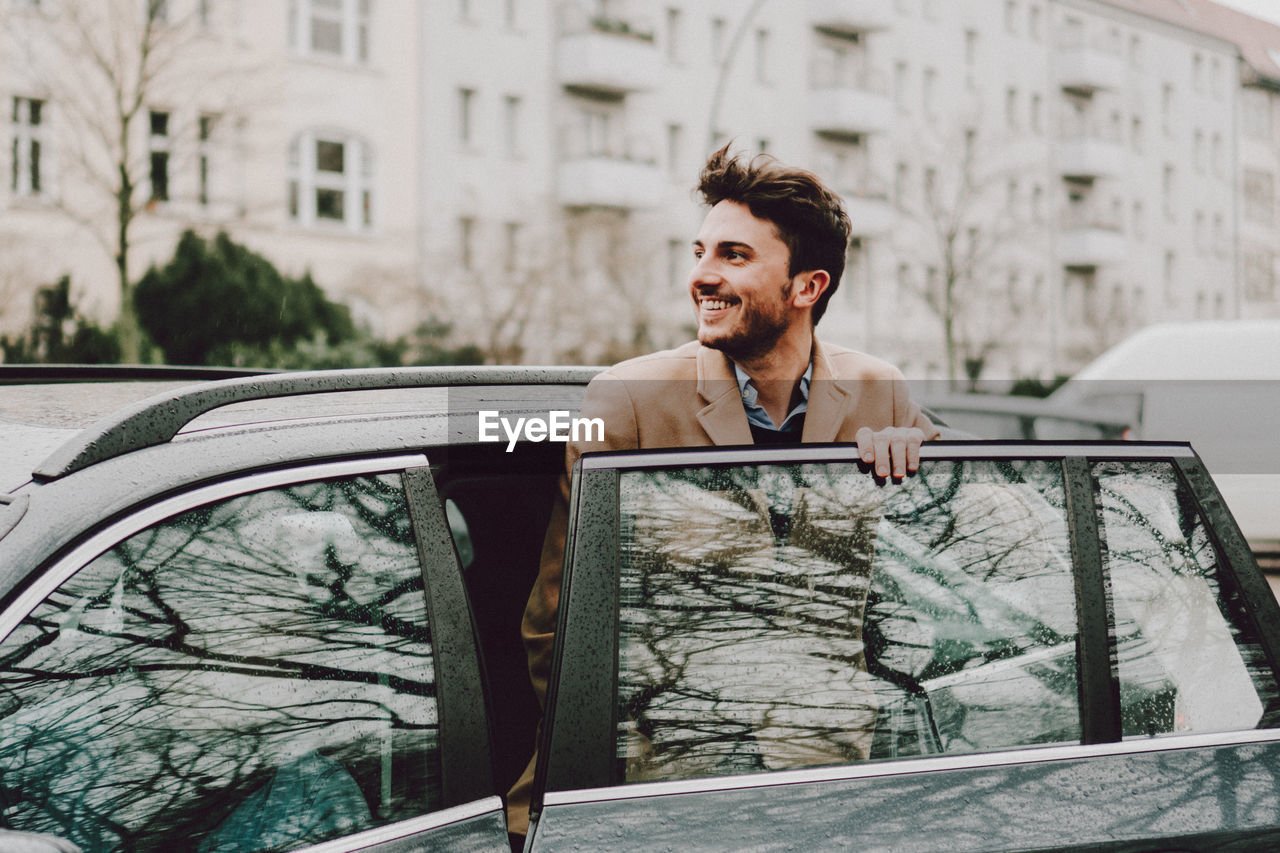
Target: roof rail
x,y
44,374
157,419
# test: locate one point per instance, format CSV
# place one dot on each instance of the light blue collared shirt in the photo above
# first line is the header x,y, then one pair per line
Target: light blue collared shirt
x,y
757,416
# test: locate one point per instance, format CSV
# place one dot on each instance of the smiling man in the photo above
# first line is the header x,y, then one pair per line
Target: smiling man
x,y
768,257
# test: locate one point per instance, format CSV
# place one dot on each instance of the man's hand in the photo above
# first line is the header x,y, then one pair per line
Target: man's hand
x,y
895,449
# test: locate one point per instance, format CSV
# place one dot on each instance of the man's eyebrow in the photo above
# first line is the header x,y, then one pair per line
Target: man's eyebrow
x,y
725,245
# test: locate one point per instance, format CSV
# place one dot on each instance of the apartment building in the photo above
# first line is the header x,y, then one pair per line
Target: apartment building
x,y
1029,180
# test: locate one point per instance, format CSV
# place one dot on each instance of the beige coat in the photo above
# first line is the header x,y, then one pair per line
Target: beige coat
x,y
688,397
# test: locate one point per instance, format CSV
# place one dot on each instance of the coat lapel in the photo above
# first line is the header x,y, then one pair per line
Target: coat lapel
x,y
723,417
829,402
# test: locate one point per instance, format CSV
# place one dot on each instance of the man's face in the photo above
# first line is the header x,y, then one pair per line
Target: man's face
x,y
740,287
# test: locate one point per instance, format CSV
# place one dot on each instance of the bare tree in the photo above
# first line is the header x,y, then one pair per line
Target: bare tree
x,y
968,223
103,67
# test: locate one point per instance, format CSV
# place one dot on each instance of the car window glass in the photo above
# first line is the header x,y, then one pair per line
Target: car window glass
x,y
1180,640
787,616
254,674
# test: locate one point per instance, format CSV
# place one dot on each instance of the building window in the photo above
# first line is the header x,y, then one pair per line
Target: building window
x,y
1170,295
1139,225
466,242
510,16
928,92
1011,16
27,178
1166,109
677,263
672,39
338,29
331,180
1259,275
1216,154
901,190
1167,188
718,27
1255,108
1135,52
1011,108
511,246
1135,134
1037,123
466,115
762,56
1259,196
158,11
1197,72
675,145
1197,150
900,84
159,151
204,156
511,108
1033,22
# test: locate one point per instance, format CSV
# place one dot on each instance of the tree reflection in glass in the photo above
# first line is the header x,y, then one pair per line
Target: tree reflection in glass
x,y
253,674
778,617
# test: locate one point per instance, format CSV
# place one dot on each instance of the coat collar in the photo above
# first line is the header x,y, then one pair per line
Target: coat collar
x,y
725,421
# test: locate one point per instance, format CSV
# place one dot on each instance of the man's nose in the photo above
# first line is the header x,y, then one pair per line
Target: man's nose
x,y
705,271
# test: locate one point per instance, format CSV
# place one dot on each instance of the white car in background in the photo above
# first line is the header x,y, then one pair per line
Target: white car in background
x,y
1215,384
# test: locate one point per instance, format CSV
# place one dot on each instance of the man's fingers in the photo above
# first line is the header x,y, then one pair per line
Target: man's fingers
x,y
866,449
913,450
898,453
880,441
892,450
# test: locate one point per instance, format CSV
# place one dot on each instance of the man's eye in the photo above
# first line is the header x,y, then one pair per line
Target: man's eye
x,y
735,256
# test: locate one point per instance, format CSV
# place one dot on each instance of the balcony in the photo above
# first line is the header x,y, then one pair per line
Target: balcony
x,y
1087,158
850,17
870,214
1086,69
1088,243
845,111
603,180
610,61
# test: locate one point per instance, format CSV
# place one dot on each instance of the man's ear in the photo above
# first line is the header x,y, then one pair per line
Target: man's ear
x,y
807,288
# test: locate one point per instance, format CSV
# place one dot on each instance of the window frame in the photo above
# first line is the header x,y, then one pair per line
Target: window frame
x,y
465,751
29,151
356,182
354,19
578,740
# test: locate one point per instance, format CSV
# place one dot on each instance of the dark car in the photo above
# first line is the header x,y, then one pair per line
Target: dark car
x,y
280,611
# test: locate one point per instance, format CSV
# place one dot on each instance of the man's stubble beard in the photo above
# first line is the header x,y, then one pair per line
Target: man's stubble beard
x,y
757,334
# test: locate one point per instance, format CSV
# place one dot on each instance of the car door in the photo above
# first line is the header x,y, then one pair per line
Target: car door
x,y
276,661
1020,646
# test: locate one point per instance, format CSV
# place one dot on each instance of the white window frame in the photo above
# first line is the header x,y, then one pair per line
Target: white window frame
x,y
353,18
355,182
29,138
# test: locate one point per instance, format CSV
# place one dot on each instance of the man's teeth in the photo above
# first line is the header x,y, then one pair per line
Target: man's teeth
x,y
714,304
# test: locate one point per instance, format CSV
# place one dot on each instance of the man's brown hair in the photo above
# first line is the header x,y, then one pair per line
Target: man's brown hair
x,y
809,218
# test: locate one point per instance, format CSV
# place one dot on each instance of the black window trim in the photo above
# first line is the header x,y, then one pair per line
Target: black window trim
x,y
465,759
585,664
